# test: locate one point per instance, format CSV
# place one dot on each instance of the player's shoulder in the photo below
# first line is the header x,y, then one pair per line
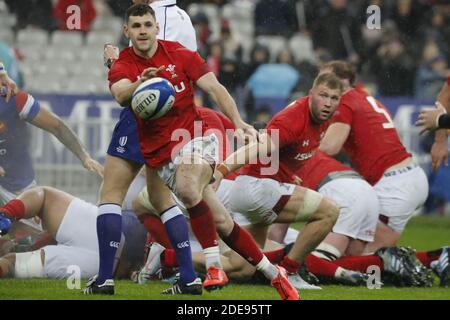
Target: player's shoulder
x,y
352,98
22,99
125,56
175,47
296,107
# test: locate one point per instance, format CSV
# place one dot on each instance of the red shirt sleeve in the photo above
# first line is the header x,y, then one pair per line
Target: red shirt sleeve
x,y
195,66
119,71
343,114
448,81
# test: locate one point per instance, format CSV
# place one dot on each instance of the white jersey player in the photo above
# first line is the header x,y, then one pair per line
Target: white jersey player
x,y
72,223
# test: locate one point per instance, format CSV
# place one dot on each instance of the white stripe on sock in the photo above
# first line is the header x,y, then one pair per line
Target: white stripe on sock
x,y
171,213
109,208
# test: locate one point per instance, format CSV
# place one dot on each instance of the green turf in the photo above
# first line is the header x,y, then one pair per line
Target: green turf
x,y
423,233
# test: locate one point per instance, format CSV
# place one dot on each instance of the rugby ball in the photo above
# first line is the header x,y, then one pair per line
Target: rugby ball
x,y
153,98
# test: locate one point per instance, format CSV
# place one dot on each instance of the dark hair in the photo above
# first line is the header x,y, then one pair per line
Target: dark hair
x,y
139,10
343,70
330,80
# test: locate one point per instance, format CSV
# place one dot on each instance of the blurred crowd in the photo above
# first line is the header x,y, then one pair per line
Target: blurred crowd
x,y
408,55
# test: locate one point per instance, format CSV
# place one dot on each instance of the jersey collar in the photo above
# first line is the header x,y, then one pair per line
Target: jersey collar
x,y
164,3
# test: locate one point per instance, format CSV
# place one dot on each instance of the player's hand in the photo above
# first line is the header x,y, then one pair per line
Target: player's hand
x,y
246,133
428,117
2,172
93,165
110,53
217,179
10,86
151,72
297,180
439,153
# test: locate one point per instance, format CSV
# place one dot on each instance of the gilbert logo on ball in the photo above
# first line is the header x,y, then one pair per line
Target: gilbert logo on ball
x,y
153,98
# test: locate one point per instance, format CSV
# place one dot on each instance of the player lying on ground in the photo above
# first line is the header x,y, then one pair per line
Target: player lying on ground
x,y
72,223
356,223
161,254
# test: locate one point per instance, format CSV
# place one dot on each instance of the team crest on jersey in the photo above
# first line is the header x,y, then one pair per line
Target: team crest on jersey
x,y
122,142
171,70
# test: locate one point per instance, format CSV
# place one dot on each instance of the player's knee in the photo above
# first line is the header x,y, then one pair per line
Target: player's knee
x,y
142,205
327,212
188,191
331,210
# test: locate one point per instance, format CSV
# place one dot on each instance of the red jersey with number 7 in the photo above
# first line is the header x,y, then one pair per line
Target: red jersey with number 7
x,y
373,144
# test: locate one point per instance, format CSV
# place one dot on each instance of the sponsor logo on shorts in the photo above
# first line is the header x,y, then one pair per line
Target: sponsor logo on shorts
x,y
122,142
182,245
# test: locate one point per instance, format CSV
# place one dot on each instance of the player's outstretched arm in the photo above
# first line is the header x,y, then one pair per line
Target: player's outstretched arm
x,y
7,82
334,138
52,123
439,150
245,155
223,99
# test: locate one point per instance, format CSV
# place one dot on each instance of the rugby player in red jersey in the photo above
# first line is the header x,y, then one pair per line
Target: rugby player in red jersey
x,y
184,167
266,193
363,127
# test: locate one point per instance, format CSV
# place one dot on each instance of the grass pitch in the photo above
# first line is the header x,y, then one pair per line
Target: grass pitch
x,y
422,233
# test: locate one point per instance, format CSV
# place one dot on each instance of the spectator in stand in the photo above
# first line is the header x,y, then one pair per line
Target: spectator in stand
x,y
393,65
275,17
231,45
88,14
34,13
431,73
118,7
260,55
407,14
338,32
203,32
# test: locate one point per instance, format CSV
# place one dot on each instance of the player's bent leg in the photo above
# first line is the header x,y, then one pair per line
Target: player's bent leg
x,y
29,264
177,229
384,237
118,175
7,263
192,176
356,247
242,242
320,213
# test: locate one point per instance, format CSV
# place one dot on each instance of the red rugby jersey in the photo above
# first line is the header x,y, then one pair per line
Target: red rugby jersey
x,y
299,137
373,144
182,68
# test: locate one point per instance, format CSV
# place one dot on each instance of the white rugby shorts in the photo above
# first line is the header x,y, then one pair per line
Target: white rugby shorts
x,y
400,193
207,148
358,207
77,243
252,200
